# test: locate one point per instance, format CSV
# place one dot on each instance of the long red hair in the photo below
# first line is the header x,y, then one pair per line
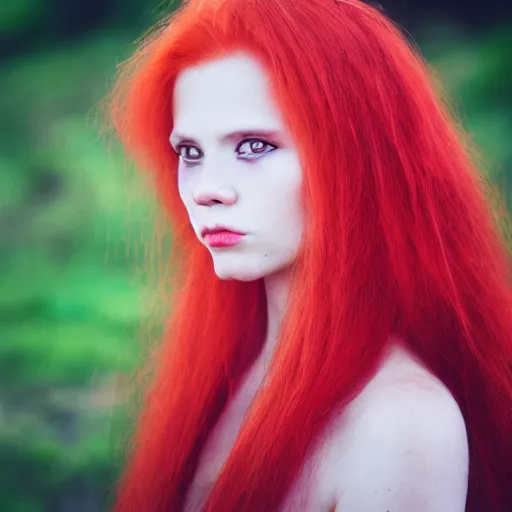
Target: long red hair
x,y
416,253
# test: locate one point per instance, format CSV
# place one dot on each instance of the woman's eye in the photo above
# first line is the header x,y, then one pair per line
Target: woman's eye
x,y
254,148
189,154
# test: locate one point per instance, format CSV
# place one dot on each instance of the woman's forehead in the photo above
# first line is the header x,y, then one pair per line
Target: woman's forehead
x,y
233,92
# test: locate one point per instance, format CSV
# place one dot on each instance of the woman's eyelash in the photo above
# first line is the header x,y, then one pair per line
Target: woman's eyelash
x,y
180,148
265,146
257,148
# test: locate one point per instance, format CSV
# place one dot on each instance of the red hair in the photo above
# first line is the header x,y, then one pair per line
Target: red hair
x,y
416,254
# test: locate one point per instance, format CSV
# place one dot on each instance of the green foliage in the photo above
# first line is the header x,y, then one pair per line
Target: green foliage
x,y
15,16
70,300
477,73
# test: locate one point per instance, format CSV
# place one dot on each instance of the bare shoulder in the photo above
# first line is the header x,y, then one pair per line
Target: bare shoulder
x,y
401,445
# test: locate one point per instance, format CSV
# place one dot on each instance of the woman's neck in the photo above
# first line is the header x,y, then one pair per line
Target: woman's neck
x,y
276,288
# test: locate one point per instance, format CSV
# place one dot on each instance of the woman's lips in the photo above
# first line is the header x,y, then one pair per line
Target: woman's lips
x,y
222,238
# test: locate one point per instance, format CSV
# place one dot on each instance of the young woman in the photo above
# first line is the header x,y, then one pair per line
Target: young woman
x,y
341,336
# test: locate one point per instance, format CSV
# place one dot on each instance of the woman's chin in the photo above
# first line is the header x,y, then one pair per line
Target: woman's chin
x,y
237,275
246,269
238,272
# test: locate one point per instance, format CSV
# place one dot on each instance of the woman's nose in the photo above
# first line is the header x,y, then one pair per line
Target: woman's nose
x,y
209,195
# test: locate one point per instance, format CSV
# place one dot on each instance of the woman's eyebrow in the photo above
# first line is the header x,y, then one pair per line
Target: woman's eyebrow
x,y
177,138
258,133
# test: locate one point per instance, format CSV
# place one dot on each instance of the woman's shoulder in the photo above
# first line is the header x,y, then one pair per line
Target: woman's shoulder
x,y
400,445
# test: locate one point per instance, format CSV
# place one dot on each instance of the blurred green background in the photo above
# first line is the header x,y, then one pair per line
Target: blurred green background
x,y
76,224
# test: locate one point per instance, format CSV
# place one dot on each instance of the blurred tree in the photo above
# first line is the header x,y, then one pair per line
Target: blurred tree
x,y
70,301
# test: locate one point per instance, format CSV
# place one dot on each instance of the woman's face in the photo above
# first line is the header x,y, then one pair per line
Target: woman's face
x,y
239,173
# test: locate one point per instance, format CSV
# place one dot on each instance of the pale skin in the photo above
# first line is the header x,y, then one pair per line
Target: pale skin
x,y
401,445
